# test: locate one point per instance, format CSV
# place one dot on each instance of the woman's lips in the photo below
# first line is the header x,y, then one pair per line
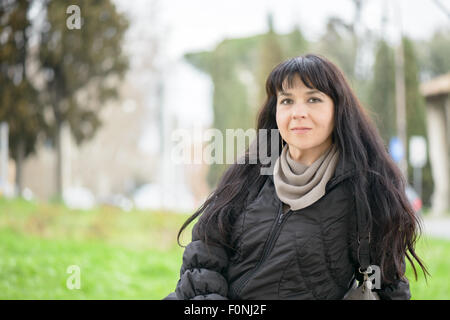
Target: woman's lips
x,y
300,130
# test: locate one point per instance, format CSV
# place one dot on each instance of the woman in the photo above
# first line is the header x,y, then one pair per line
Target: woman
x,y
294,234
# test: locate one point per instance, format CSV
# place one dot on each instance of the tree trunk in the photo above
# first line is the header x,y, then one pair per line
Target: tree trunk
x,y
20,154
57,136
58,150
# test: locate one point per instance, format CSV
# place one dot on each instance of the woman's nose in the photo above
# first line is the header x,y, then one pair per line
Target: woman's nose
x,y
300,111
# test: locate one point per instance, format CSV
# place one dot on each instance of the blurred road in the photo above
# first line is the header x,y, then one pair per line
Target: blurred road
x,y
437,226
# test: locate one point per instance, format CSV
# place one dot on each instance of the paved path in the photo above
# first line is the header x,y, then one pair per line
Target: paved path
x,y
437,227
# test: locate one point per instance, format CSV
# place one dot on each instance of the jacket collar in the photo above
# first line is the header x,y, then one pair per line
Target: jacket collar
x,y
343,171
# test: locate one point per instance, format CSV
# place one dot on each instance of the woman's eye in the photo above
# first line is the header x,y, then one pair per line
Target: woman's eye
x,y
284,100
314,100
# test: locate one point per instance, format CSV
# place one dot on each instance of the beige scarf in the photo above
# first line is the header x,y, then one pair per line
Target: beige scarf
x,y
298,185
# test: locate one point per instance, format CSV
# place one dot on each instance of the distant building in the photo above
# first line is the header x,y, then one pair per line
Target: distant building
x,y
437,96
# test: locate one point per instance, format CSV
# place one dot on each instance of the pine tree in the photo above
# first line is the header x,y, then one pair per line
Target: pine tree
x,y
382,91
415,113
437,59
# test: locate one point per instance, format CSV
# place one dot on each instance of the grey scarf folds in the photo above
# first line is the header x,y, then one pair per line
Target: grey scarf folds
x,y
298,185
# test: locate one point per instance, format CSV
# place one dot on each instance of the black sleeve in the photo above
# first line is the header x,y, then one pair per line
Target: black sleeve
x,y
396,291
202,272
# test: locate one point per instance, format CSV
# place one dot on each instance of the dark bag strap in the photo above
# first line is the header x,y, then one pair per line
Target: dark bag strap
x,y
363,235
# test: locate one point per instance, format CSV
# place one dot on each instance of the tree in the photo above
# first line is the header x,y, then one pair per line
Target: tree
x,y
382,91
415,113
382,100
294,44
19,103
338,45
270,54
348,44
415,103
85,60
433,54
230,98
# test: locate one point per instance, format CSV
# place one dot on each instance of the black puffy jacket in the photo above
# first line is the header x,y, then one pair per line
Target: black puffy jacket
x,y
304,254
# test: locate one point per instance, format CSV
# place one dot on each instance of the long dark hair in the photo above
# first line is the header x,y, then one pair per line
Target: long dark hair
x,y
378,183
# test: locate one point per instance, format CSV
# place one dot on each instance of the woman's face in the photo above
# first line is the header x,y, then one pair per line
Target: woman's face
x,y
305,119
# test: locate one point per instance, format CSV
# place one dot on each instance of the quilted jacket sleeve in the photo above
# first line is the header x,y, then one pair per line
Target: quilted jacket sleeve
x,y
202,272
397,291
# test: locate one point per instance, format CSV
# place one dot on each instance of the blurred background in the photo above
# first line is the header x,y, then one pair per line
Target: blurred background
x,y
92,92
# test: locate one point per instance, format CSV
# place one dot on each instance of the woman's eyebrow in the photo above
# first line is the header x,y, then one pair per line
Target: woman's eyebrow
x,y
283,93
314,92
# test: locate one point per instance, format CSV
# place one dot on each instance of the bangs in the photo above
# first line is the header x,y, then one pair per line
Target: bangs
x,y
311,70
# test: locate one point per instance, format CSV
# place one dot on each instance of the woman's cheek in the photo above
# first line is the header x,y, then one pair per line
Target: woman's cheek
x,y
286,126
282,122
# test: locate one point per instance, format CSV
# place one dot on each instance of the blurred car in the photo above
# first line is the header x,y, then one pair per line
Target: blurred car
x,y
414,199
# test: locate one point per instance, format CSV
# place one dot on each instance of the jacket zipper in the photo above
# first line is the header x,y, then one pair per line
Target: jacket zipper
x,y
236,289
267,249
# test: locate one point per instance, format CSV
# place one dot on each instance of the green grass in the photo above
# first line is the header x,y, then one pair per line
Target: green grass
x,y
35,268
124,255
436,255
121,255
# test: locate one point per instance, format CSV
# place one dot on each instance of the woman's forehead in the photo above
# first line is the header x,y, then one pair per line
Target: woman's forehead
x,y
292,83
